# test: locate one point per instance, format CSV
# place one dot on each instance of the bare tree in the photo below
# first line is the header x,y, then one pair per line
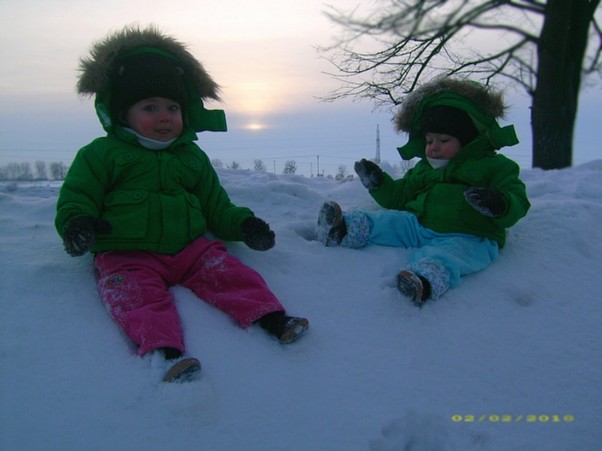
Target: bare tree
x,y
341,172
58,170
40,167
259,166
541,46
290,167
25,172
11,171
217,163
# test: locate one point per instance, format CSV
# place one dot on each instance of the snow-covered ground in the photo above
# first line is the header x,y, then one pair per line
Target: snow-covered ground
x,y
510,360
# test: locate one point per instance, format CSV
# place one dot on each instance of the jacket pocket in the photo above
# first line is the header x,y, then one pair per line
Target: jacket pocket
x,y
127,212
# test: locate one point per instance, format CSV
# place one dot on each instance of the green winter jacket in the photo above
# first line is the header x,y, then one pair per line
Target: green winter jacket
x,y
436,196
154,200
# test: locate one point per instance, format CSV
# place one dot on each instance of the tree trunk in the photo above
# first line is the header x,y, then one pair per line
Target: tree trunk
x,y
561,50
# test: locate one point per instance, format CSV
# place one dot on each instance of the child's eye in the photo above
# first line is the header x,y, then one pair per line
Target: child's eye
x,y
149,108
174,108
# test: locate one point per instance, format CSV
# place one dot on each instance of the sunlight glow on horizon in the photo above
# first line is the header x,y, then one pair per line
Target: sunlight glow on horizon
x,y
255,126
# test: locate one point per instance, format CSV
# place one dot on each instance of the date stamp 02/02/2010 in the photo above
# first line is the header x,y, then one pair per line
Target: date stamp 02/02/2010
x,y
529,418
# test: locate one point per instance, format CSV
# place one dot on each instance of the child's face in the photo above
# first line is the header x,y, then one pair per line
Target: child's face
x,y
441,147
156,118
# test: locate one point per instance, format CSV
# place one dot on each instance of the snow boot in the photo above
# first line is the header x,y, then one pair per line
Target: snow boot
x,y
415,287
331,225
185,369
285,328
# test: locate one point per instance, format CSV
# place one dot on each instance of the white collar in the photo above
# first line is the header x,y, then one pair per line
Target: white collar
x,y
437,163
148,143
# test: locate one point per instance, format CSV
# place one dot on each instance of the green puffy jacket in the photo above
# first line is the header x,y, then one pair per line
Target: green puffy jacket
x,y
436,196
154,200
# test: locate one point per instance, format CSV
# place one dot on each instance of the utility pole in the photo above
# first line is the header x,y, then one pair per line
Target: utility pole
x,y
318,156
377,157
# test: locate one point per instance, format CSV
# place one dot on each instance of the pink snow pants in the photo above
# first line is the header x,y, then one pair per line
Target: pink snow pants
x,y
134,286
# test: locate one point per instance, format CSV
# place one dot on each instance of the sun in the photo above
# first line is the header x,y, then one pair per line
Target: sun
x,y
255,126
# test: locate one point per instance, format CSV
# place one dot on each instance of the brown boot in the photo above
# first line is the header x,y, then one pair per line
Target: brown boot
x,y
417,288
331,226
285,328
184,370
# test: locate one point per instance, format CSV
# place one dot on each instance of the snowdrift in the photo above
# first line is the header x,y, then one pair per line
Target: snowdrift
x,y
509,360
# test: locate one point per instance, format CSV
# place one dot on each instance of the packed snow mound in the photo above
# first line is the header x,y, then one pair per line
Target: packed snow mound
x,y
509,360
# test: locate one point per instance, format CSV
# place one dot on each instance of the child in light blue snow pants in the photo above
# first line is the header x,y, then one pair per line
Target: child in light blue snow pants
x,y
441,258
455,205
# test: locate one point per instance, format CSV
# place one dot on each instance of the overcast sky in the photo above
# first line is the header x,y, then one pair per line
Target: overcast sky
x,y
261,53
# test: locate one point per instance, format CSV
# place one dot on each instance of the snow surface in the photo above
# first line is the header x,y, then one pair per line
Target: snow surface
x,y
373,372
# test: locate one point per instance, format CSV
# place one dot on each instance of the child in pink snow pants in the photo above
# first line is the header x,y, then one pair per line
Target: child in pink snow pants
x,y
134,287
143,197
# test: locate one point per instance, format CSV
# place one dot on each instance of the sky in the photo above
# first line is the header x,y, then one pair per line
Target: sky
x,y
262,54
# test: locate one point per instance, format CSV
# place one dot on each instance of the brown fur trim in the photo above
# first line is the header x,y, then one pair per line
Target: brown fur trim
x,y
95,69
486,98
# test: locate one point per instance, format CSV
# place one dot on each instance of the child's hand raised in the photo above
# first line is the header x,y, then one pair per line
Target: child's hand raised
x,y
369,173
257,235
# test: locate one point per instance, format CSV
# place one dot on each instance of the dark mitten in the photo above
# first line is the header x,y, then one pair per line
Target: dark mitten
x,y
487,201
79,233
369,173
257,235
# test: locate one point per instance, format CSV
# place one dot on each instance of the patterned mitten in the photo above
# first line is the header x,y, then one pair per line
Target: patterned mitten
x,y
487,201
369,173
79,234
257,235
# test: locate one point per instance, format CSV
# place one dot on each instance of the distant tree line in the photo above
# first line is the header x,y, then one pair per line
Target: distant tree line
x,y
290,167
40,170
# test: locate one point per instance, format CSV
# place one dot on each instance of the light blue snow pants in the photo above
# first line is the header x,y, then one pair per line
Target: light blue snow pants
x,y
441,258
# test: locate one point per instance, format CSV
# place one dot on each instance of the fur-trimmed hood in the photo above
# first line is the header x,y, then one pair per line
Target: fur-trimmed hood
x,y
97,68
485,98
483,104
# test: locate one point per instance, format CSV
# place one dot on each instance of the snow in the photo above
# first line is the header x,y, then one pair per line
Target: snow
x,y
517,342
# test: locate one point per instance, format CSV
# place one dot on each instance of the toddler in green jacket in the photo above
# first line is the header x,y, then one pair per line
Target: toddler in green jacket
x,y
142,197
454,206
